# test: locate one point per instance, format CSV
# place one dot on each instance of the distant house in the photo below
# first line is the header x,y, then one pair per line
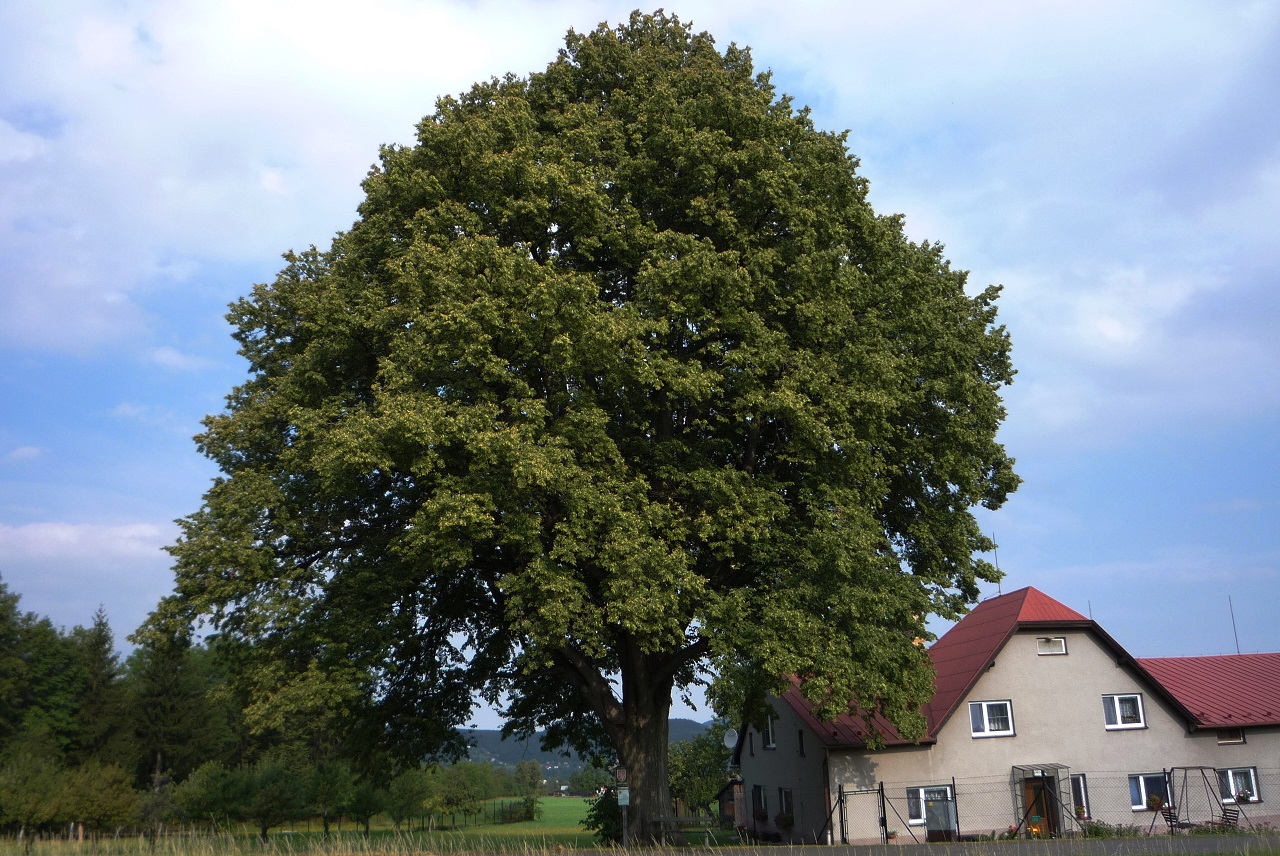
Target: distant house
x,y
1041,724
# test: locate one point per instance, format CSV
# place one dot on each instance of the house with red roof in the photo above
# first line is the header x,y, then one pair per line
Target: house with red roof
x,y
1041,725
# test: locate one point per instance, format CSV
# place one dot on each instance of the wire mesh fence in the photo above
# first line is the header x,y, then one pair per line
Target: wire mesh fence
x,y
1052,801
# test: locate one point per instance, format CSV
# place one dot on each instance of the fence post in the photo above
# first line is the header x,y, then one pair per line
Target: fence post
x,y
955,806
844,823
884,818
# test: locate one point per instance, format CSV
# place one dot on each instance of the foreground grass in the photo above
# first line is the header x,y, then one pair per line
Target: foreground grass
x,y
557,831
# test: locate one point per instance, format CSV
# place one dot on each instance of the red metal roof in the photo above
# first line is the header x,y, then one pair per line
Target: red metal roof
x,y
959,658
846,730
966,650
1228,691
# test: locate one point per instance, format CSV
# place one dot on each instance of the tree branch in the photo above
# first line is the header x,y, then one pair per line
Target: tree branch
x,y
594,688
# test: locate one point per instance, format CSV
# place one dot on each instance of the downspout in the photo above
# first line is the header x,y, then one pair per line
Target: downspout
x,y
826,793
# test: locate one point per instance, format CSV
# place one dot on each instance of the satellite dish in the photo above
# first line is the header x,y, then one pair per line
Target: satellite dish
x,y
730,738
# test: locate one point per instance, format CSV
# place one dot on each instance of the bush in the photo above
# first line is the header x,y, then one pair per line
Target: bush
x,y
604,817
1098,829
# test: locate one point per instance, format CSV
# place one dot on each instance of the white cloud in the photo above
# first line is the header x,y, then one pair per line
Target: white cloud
x,y
78,541
151,415
24,453
18,146
1049,145
65,571
172,358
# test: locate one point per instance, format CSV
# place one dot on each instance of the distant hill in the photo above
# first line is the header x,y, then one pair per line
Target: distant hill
x,y
487,746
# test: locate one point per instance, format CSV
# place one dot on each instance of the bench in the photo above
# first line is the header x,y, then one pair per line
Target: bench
x,y
665,825
1175,823
1229,820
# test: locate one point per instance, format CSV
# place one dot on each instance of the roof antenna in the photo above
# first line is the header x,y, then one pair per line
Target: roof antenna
x,y
1231,607
1090,603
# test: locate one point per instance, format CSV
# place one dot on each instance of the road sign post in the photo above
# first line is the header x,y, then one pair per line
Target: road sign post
x,y
624,800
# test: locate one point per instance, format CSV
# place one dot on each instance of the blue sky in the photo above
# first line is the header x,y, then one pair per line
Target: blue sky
x,y
1115,165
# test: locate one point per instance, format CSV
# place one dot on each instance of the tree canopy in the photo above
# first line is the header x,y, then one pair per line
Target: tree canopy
x,y
617,381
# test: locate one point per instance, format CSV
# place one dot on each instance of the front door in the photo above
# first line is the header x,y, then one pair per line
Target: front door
x,y
1039,804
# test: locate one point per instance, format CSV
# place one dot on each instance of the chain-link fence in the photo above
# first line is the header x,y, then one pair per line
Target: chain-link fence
x,y
1052,801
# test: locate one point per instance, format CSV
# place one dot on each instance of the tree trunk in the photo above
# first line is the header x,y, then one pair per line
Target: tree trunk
x,y
643,751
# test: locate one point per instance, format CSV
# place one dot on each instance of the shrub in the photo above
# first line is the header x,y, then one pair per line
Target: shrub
x,y
604,817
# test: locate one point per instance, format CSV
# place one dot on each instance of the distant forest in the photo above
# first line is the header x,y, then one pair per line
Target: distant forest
x,y
163,735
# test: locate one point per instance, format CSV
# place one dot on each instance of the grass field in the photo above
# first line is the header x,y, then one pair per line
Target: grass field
x,y
556,829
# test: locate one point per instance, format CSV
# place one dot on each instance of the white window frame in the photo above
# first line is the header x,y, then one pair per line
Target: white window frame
x,y
1051,646
1230,736
1140,779
980,725
1080,791
917,797
1112,716
767,739
786,802
1233,780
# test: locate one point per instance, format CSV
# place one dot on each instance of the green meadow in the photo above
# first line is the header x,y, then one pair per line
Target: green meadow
x,y
556,829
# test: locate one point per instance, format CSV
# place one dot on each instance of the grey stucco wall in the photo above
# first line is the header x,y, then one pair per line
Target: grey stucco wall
x,y
795,763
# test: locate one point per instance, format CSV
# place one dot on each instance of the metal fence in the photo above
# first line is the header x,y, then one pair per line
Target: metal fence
x,y
1052,801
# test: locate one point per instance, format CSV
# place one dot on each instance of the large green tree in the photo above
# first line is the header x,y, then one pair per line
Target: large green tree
x,y
616,381
178,713
102,727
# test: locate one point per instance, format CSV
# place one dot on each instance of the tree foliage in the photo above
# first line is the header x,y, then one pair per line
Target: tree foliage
x,y
699,768
179,715
604,817
411,794
100,715
12,665
617,379
101,796
53,680
213,794
30,783
330,785
276,793
589,781
366,800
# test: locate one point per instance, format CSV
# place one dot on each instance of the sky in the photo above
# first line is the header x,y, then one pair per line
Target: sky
x,y
1116,166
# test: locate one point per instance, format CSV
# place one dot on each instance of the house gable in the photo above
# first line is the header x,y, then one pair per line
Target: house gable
x,y
960,658
966,650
